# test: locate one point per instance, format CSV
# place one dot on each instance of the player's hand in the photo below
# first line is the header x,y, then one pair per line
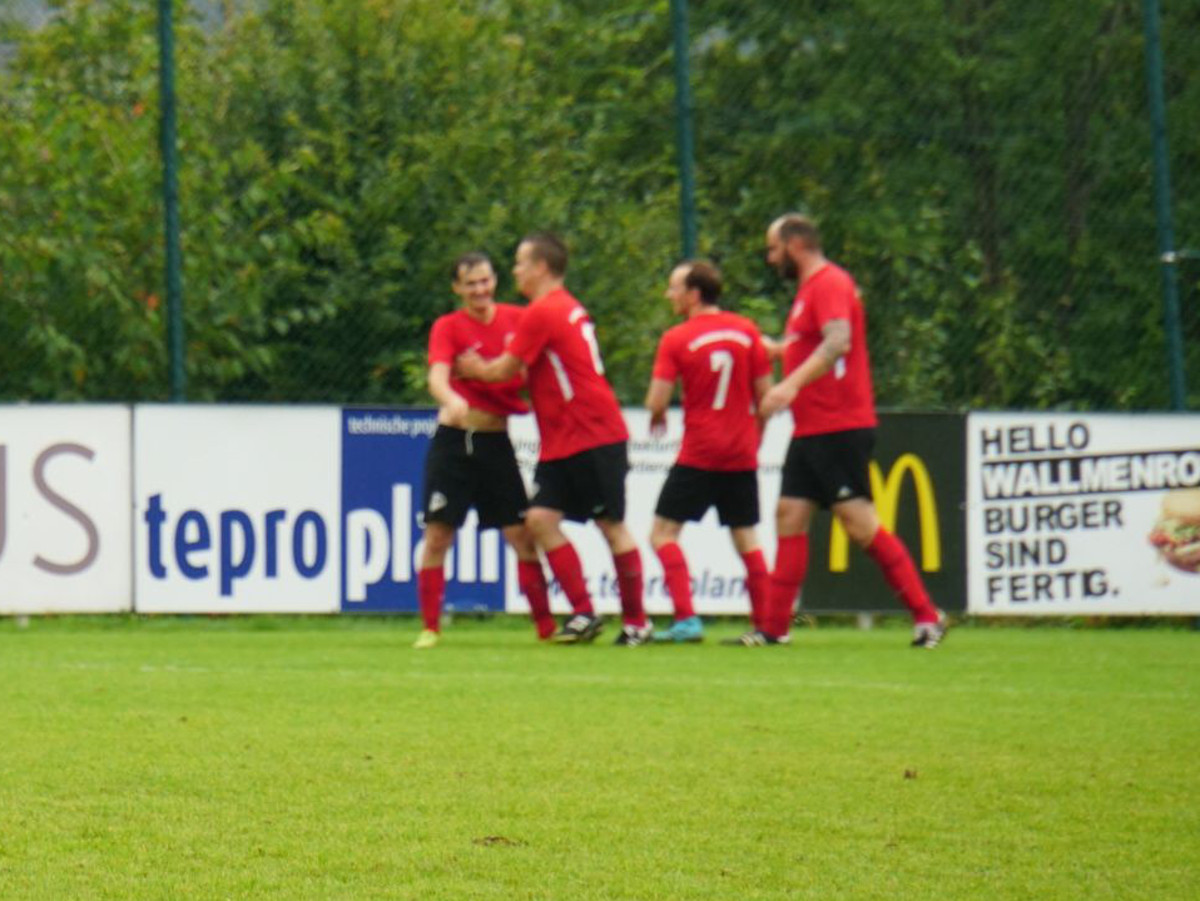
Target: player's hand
x,y
454,412
777,400
774,348
468,365
658,426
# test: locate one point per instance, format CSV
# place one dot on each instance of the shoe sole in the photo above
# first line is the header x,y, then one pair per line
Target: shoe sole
x,y
577,637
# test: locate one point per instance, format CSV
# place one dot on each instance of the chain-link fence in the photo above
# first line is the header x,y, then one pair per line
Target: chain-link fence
x,y
985,169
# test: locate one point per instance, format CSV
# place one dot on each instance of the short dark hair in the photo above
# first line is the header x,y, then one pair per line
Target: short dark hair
x,y
470,260
550,249
797,225
704,277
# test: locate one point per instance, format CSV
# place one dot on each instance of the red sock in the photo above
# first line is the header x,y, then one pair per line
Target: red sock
x,y
893,559
532,581
791,565
565,565
629,586
431,588
678,582
758,586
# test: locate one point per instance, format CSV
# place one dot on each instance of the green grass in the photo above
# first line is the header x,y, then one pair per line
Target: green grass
x,y
324,759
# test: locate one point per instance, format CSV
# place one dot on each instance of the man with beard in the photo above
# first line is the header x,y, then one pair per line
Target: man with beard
x,y
827,384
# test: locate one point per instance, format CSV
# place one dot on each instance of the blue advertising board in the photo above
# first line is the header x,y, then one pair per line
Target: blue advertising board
x,y
383,461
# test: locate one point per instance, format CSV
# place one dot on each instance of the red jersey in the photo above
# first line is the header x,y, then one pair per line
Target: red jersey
x,y
575,406
842,398
456,333
718,357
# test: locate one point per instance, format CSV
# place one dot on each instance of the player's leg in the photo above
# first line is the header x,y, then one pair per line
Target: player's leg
x,y
447,498
861,522
531,579
545,525
686,627
431,580
604,489
627,561
550,504
501,501
802,491
758,577
685,497
793,516
664,538
736,497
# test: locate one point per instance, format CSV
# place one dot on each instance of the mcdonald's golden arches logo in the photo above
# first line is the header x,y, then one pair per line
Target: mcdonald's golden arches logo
x,y
886,494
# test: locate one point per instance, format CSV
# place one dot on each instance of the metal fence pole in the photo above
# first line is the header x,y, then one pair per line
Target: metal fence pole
x,y
683,127
170,190
1168,258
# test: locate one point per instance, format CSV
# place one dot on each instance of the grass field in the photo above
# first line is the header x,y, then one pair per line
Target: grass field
x,y
324,759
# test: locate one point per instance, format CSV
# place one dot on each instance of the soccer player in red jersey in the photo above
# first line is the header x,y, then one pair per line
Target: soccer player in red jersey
x,y
720,359
828,387
584,459
471,461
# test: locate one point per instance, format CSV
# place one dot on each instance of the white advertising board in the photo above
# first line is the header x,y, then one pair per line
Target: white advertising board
x,y
64,509
1065,513
237,509
718,576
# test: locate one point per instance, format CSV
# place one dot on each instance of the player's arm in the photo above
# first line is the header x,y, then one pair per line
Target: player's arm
x,y
452,406
762,385
658,398
773,347
472,366
530,337
835,344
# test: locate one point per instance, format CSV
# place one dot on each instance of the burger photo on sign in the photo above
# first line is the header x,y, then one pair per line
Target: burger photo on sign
x,y
1177,532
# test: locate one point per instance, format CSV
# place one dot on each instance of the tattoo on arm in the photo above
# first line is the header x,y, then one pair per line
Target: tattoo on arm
x,y
837,340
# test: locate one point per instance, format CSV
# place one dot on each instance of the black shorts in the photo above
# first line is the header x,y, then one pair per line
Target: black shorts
x,y
586,485
829,468
689,492
467,469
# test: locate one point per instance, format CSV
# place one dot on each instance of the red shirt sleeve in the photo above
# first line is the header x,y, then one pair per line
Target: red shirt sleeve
x,y
664,360
532,333
832,298
441,341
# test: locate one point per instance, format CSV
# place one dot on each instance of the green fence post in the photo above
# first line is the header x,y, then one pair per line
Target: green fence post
x,y
170,191
683,127
1168,258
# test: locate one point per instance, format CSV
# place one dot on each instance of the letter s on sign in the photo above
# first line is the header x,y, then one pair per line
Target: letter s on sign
x,y
57,500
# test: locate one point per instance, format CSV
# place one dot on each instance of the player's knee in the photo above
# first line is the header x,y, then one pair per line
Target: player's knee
x,y
663,533
541,522
522,542
859,519
745,541
790,524
438,538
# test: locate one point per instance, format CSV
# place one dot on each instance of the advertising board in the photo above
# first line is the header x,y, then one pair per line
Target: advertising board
x,y
236,509
1084,514
64,509
383,463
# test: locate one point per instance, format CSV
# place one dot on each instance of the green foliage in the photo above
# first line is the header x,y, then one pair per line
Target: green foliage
x,y
981,167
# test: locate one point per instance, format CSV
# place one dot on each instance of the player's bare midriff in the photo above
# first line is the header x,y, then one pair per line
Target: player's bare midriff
x,y
483,421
